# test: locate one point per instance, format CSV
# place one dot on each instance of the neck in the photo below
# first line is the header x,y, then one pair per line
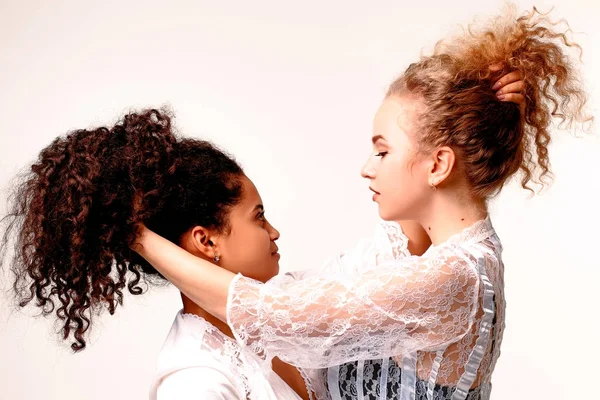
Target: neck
x,y
189,307
449,215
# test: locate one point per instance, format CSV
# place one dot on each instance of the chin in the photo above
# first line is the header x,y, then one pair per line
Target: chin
x,y
387,214
272,273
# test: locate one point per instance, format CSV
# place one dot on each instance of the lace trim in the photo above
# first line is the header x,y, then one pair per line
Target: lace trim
x,y
477,232
309,386
398,240
434,372
333,374
409,377
384,377
225,347
481,344
360,370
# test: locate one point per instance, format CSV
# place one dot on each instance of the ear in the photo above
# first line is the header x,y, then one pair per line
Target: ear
x,y
442,165
202,242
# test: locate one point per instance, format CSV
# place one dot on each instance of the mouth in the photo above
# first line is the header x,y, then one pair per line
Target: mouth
x,y
276,252
376,193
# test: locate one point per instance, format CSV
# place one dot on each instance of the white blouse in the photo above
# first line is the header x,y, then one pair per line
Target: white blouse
x,y
377,323
198,361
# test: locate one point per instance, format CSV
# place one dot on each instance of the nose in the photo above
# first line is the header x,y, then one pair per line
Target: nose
x,y
273,233
368,171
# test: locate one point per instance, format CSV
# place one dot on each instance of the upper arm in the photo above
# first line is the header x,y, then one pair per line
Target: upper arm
x,y
197,383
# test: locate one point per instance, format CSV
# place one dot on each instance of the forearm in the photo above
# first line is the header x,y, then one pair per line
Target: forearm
x,y
203,282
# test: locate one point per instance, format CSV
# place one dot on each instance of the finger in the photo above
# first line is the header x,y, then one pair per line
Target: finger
x,y
516,98
515,87
506,79
497,66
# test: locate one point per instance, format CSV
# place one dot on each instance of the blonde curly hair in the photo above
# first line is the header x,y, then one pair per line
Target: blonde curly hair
x,y
494,139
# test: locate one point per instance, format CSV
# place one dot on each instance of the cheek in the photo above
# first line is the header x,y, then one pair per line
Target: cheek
x,y
394,176
267,266
403,190
250,254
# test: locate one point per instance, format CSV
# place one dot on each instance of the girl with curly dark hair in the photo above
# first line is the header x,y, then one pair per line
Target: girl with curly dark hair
x,y
81,204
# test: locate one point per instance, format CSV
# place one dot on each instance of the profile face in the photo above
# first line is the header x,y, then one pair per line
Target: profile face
x,y
397,174
249,247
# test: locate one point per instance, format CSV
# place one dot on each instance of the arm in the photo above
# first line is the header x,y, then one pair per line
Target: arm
x,y
325,320
398,307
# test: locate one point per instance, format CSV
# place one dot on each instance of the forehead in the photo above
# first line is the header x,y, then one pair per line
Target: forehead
x,y
250,196
396,115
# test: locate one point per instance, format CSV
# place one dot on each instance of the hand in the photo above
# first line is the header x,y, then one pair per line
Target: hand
x,y
510,87
142,232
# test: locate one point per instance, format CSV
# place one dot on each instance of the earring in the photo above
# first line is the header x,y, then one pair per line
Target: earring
x,y
433,186
217,258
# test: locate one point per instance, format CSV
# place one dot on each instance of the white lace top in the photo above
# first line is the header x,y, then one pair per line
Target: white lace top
x,y
198,361
377,323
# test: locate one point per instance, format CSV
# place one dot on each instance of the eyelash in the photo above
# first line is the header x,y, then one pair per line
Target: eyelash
x,y
381,154
261,216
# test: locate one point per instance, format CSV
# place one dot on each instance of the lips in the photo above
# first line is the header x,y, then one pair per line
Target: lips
x,y
275,252
375,195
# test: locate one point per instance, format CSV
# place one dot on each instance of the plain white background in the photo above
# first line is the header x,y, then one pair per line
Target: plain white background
x,y
290,88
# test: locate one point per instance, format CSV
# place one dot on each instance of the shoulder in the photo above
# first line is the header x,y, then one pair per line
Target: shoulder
x,y
446,265
194,359
203,382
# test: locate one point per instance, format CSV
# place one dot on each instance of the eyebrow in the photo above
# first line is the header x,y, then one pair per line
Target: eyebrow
x,y
375,138
259,207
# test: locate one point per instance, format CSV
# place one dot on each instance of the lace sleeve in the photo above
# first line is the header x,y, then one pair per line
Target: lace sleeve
x,y
416,303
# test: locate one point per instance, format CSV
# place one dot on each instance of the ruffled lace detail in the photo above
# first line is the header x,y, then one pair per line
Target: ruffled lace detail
x,y
223,348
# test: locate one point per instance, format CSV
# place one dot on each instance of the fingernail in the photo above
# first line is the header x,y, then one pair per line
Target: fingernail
x,y
499,92
501,97
496,85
